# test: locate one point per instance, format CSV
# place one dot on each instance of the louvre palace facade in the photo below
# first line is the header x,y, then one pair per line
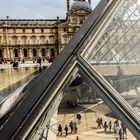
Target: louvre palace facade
x,y
29,39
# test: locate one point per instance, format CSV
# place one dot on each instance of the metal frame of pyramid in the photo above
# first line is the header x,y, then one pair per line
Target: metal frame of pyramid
x,y
38,102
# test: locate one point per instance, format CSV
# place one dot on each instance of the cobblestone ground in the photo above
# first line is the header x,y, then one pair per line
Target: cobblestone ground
x,y
87,129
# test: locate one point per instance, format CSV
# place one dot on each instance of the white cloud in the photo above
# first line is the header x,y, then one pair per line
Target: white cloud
x,y
35,8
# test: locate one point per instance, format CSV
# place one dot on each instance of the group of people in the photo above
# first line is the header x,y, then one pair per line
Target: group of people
x,y
19,60
3,61
121,130
116,127
38,60
72,125
105,124
60,130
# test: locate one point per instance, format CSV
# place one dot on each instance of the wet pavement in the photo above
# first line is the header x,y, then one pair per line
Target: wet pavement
x,y
12,78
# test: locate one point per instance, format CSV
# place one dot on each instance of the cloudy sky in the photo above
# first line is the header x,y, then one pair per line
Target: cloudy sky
x,y
35,8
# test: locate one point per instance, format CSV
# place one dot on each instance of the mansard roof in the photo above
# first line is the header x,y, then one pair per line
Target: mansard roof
x,y
31,21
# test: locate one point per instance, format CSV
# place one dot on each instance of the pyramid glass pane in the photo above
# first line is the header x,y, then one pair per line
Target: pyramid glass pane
x,y
109,44
116,54
81,98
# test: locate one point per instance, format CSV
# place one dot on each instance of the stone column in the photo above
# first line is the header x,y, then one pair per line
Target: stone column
x,y
5,38
30,53
48,53
10,53
38,52
59,43
21,53
5,52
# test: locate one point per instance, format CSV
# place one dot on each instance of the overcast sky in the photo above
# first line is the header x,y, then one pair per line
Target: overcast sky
x,y
35,9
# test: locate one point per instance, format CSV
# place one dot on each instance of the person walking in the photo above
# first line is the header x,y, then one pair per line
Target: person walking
x,y
71,125
79,118
98,123
66,130
75,128
124,131
39,61
59,130
115,129
101,122
105,126
120,133
110,125
77,138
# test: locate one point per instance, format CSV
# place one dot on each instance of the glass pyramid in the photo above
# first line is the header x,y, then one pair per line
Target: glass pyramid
x,y
105,52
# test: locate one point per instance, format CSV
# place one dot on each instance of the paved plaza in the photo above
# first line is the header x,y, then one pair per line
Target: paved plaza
x,y
87,129
88,126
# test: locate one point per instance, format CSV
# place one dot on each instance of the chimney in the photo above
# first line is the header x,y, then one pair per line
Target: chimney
x,y
89,1
68,5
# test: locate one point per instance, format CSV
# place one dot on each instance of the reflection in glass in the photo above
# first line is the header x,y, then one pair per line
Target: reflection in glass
x,y
116,54
81,98
11,79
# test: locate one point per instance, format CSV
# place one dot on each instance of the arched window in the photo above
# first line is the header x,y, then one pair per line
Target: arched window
x,y
1,53
34,53
42,39
43,51
33,39
23,40
52,52
51,39
14,40
25,52
16,52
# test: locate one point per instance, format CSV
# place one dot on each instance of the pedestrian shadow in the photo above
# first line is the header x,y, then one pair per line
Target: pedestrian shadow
x,y
109,132
101,132
61,136
93,127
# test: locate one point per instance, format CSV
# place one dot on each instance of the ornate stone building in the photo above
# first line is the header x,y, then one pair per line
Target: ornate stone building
x,y
31,38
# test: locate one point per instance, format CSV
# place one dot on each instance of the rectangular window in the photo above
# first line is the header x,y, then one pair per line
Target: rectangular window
x,y
23,30
42,30
33,31
51,30
14,31
65,29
